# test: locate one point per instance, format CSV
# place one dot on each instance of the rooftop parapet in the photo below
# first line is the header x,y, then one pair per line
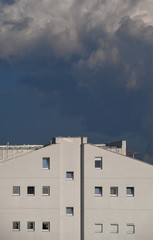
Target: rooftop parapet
x,y
11,151
118,147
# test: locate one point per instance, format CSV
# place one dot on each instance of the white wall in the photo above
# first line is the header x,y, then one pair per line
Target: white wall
x,y
65,155
69,189
26,171
123,172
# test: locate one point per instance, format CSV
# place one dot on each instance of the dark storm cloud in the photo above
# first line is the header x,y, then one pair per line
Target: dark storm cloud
x,y
91,59
8,1
19,25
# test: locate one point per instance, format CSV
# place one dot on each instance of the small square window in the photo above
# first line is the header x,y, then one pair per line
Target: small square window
x,y
98,162
31,226
46,226
69,211
98,228
31,190
16,190
130,191
114,191
114,228
98,191
69,175
16,226
46,190
46,163
130,228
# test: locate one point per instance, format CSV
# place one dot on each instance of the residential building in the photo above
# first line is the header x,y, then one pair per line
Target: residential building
x,y
73,190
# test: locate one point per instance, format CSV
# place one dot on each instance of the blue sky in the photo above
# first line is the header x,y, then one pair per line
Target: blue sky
x,y
77,68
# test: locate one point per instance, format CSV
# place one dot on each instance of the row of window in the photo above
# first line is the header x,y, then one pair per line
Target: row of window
x,y
114,191
98,191
46,163
31,190
45,225
30,226
114,228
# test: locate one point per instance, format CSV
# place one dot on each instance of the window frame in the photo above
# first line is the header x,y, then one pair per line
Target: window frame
x,y
130,225
16,194
16,229
98,159
46,194
48,229
114,194
47,159
72,211
101,191
72,175
117,227
31,194
133,192
31,229
101,225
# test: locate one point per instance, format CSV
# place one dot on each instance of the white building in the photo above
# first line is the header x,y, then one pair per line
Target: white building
x,y
72,190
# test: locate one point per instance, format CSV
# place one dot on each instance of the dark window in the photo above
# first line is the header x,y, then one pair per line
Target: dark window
x,y
98,191
46,226
130,191
16,225
70,175
46,190
98,162
69,211
31,190
114,191
31,226
16,190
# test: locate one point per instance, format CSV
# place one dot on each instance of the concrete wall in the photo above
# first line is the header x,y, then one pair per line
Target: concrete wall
x,y
69,189
26,171
122,172
75,155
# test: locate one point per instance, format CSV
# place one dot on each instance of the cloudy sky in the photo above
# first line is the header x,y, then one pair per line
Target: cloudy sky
x,y
73,68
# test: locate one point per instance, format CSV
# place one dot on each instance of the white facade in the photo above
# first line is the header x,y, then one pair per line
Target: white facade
x,y
72,190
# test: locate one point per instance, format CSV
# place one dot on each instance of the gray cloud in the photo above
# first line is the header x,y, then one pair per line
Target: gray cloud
x,y
8,2
64,26
97,34
19,25
86,57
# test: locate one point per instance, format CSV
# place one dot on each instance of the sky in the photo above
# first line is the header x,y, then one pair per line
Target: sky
x,y
77,68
